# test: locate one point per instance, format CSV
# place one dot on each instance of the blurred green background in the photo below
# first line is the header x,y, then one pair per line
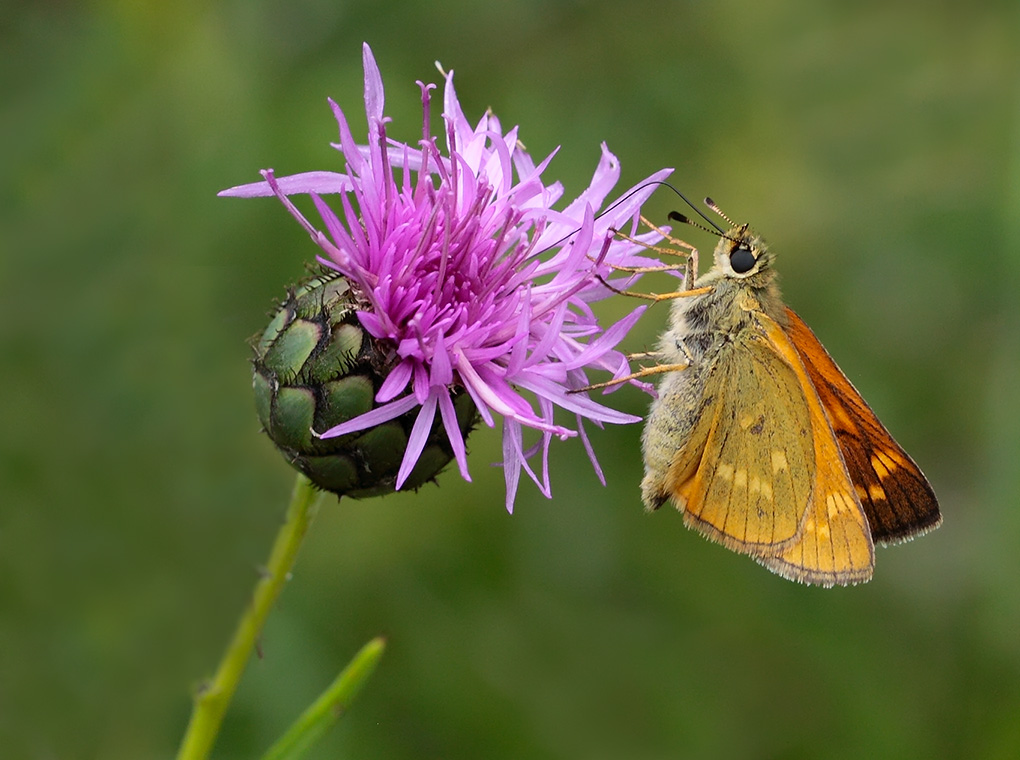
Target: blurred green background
x,y
876,146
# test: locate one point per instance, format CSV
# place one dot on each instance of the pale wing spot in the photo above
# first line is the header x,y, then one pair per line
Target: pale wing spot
x,y
862,492
885,462
813,528
779,462
838,501
725,471
831,505
759,486
841,417
876,492
740,478
879,467
891,459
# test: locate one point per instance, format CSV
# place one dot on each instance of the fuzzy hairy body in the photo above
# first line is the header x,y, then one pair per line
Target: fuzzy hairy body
x,y
702,329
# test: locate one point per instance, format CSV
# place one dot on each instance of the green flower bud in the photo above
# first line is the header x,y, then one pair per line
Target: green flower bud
x,y
316,367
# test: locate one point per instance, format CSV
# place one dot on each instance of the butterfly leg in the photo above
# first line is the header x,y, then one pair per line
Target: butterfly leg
x,y
644,355
681,346
658,369
658,248
642,270
690,266
674,241
656,296
691,269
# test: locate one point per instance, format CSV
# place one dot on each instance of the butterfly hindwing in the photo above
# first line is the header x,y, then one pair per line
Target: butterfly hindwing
x,y
744,478
895,495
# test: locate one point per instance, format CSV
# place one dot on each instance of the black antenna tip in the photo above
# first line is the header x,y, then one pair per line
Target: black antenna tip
x,y
709,202
676,216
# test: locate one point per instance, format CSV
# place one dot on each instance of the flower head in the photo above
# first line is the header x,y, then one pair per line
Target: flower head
x,y
463,266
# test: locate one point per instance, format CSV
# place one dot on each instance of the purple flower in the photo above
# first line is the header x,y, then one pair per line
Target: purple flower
x,y
467,270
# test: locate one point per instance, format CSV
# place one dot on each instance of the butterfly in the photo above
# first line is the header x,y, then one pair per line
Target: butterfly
x,y
758,437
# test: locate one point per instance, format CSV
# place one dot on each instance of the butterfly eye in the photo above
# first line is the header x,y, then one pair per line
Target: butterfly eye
x,y
741,259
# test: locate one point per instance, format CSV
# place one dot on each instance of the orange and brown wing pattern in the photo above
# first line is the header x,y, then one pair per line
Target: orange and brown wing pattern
x,y
894,493
835,546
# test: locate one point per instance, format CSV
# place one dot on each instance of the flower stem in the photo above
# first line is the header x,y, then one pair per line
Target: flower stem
x,y
214,697
331,704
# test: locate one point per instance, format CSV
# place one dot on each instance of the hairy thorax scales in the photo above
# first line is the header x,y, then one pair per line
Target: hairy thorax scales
x,y
701,328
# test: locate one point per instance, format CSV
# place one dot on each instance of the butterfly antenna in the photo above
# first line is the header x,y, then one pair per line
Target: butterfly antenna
x,y
676,216
715,207
717,229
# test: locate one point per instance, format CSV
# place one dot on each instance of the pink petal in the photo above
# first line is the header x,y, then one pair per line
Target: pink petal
x,y
449,414
417,440
306,182
377,416
374,96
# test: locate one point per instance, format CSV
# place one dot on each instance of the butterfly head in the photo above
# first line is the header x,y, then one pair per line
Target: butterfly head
x,y
742,255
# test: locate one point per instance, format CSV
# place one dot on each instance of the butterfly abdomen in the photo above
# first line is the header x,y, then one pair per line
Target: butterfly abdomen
x,y
694,340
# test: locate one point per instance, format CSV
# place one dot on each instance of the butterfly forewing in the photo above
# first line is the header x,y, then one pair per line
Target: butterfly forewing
x,y
835,545
895,495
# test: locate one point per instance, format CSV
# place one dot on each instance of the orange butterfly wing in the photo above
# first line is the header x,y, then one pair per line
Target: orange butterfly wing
x,y
835,545
895,495
763,472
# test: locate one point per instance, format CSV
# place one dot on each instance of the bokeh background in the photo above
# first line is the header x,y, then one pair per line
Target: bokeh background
x,y
875,144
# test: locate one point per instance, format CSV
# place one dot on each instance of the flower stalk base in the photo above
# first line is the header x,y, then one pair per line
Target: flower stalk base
x,y
213,698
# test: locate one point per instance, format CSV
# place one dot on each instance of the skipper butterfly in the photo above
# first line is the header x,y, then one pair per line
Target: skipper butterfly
x,y
760,440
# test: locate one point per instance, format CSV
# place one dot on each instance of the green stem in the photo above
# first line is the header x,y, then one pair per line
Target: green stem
x,y
331,704
212,700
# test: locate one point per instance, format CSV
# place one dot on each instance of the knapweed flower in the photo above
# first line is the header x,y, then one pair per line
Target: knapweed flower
x,y
462,269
